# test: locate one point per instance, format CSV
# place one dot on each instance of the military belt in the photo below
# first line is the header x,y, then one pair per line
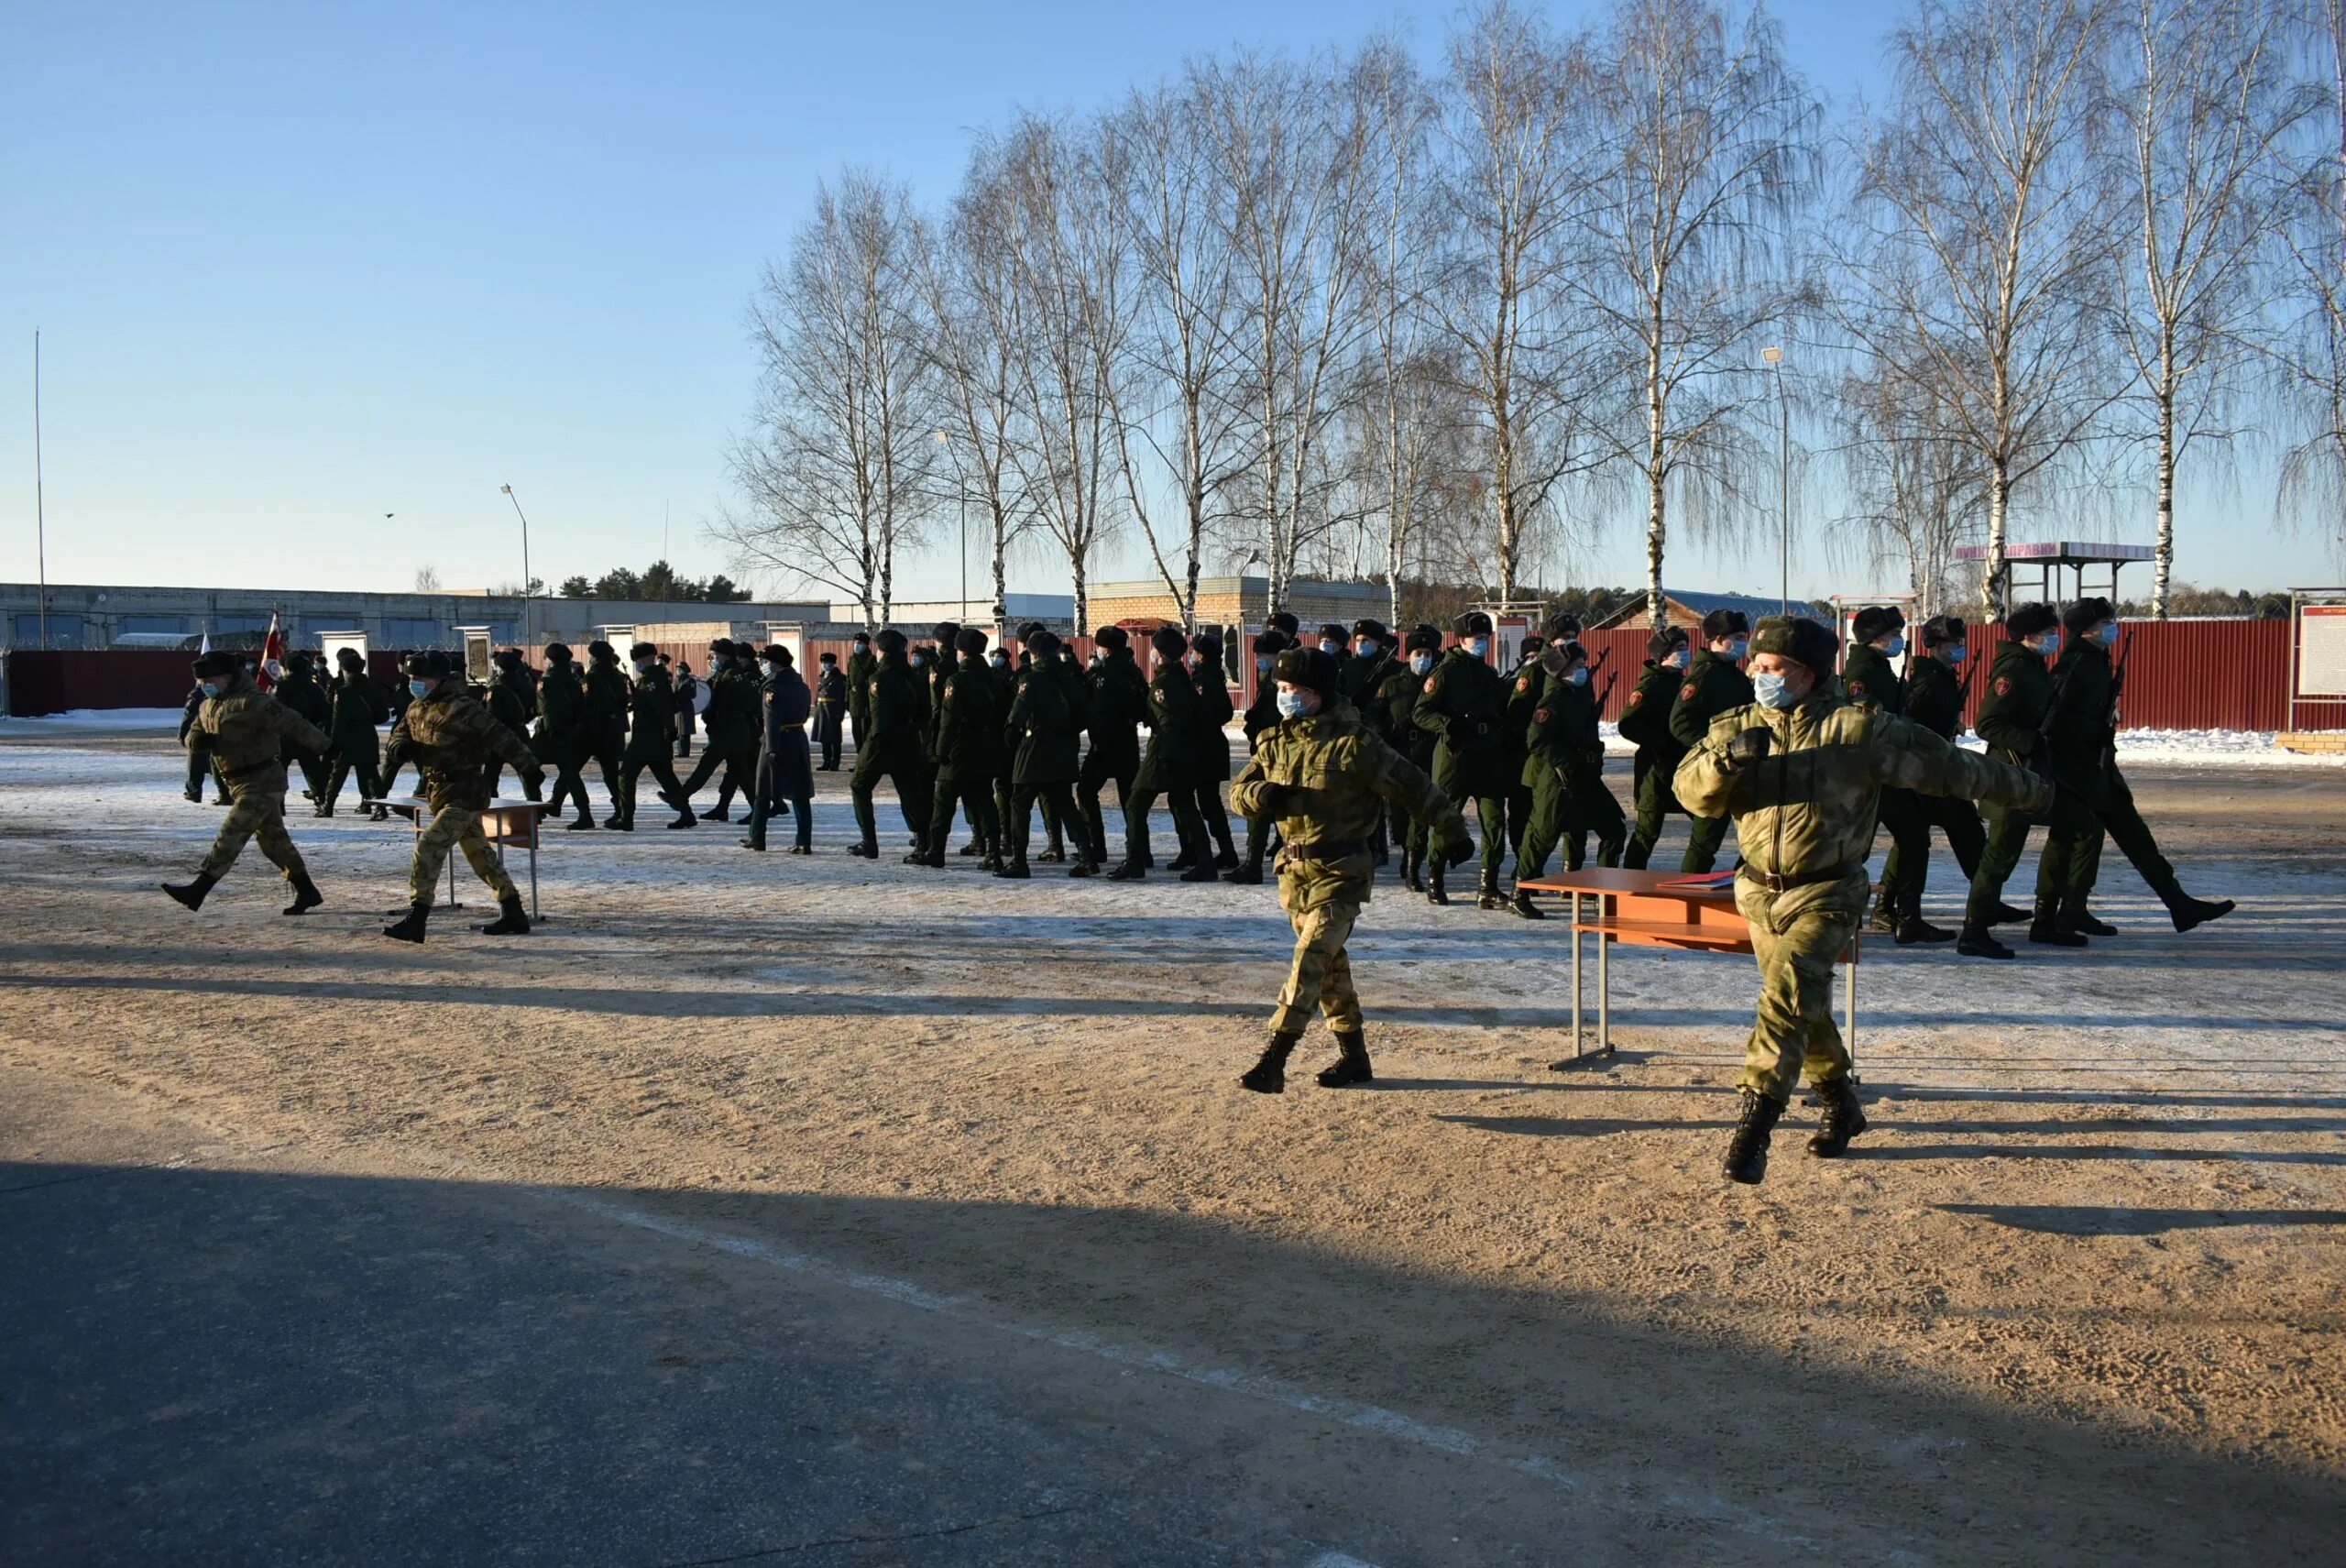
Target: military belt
x,y
1326,849
1775,884
251,771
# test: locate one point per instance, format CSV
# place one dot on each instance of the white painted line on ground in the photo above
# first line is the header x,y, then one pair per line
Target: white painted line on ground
x,y
1349,1412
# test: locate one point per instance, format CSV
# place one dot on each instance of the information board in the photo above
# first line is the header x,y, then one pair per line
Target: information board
x,y
2321,650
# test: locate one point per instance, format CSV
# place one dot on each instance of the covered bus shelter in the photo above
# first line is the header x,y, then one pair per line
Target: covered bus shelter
x,y
2033,571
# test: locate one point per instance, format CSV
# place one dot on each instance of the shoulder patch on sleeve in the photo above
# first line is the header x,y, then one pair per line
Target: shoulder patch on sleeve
x,y
2003,686
1539,716
1857,688
1433,683
1522,683
1687,692
1635,697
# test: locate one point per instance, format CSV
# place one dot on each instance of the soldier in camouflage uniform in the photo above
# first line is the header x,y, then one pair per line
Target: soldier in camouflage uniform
x,y
452,737
1326,777
1169,768
888,743
1645,724
1260,716
358,707
1463,704
1800,770
1714,685
245,731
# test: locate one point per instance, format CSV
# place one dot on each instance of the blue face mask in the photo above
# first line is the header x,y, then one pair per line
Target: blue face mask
x,y
1676,661
1957,654
1737,649
419,688
1421,663
1771,691
2049,643
1479,646
211,689
1894,647
2108,635
1295,705
1329,646
1578,677
1262,662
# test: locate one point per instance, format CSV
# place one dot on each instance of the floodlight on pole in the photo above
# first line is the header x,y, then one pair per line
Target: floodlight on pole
x,y
525,560
1775,357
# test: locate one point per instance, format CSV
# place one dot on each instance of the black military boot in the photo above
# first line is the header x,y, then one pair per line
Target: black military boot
x,y
2048,929
934,859
1523,905
1912,928
2082,919
191,893
1128,870
619,824
2186,910
511,920
1486,893
722,812
410,929
869,850
1351,1067
1979,942
582,823
1014,869
971,848
1413,865
1182,861
1437,880
1747,1150
2008,915
1084,867
755,841
194,793
1246,873
1885,913
1844,1119
1268,1075
323,808
1201,866
685,818
306,897
1055,853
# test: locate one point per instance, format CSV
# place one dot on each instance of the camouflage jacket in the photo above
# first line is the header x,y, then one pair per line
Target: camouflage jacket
x,y
1340,774
452,736
245,727
1806,811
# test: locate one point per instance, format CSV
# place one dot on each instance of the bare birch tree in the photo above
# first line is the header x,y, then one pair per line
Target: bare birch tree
x,y
1714,156
1914,489
2208,105
2313,473
837,465
1991,235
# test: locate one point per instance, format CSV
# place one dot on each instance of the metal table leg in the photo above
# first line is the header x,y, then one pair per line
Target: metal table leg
x,y
1604,991
1576,985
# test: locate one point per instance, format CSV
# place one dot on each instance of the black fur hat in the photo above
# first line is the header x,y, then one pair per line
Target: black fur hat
x,y
2030,620
1169,642
641,651
1424,638
1333,632
1270,641
1111,637
1877,621
1563,625
1941,629
352,659
599,649
1043,642
216,663
774,653
889,641
969,641
431,665
2086,614
945,632
1666,641
1797,637
1283,620
1369,626
1308,667
1725,623
1473,623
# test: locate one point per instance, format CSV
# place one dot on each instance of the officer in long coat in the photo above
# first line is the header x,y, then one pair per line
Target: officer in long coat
x,y
651,735
830,695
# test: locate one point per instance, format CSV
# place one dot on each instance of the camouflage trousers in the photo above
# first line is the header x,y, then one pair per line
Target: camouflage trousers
x,y
459,826
256,811
1321,974
1798,935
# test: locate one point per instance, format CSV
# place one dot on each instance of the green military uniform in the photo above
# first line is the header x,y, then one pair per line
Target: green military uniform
x,y
1116,695
1712,685
1169,768
1463,705
859,666
651,741
1870,679
1565,765
246,732
454,738
2081,748
1934,701
1215,711
1044,718
2012,717
1645,724
732,725
1261,715
510,702
1804,815
1007,680
299,691
560,739
1523,695
1397,700
603,736
358,707
1326,778
888,745
968,728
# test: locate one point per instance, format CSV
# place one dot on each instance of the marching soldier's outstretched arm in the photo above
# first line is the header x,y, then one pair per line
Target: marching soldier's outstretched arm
x,y
1708,783
1910,757
1405,783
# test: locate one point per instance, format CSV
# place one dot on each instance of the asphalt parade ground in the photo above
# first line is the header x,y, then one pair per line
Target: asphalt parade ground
x,y
762,1209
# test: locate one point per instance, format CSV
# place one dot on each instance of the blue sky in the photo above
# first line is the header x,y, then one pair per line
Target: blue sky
x,y
297,266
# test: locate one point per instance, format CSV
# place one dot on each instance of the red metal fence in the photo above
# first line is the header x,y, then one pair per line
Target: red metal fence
x,y
2181,674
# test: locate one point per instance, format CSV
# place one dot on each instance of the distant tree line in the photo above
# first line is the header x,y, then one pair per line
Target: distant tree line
x,y
1344,316
658,583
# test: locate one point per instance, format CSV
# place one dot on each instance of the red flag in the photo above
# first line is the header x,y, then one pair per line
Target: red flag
x,y
272,658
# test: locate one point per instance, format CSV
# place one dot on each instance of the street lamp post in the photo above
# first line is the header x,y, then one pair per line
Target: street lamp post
x,y
525,561
962,490
41,507
1775,357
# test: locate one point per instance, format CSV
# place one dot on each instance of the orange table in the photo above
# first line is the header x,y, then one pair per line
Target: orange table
x,y
503,822
1653,909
